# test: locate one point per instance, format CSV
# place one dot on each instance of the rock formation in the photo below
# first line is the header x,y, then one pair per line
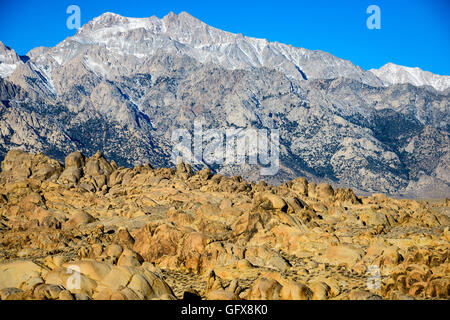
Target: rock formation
x,y
90,229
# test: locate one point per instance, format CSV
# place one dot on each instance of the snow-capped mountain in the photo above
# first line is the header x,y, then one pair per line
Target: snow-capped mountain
x,y
140,38
184,34
123,85
9,60
394,74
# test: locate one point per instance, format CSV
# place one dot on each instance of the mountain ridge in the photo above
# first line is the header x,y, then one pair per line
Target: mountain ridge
x,y
171,22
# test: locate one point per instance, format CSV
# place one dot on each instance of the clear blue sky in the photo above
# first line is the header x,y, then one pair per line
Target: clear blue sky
x,y
413,33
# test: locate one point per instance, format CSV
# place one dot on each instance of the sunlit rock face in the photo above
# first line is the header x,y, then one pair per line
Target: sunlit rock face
x,y
89,229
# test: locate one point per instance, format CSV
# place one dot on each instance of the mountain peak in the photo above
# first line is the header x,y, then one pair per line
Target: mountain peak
x,y
105,20
183,20
392,73
187,16
183,34
182,14
9,60
4,48
111,20
391,65
108,14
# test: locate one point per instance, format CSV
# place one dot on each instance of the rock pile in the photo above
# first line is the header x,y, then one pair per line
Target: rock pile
x,y
93,230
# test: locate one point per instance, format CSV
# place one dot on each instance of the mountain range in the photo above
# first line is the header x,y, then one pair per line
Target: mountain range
x,y
123,85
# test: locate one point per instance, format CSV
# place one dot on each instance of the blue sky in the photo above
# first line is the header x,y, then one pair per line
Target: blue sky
x,y
413,33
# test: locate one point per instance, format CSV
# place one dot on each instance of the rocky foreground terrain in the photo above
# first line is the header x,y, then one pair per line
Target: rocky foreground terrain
x,y
93,230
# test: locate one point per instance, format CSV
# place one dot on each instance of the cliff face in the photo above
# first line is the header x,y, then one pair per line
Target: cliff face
x,y
90,229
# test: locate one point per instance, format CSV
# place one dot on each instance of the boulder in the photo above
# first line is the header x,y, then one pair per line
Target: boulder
x,y
324,191
79,218
15,274
265,289
300,185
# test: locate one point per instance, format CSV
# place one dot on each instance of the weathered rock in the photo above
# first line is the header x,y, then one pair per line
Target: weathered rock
x,y
154,244
19,165
80,218
73,170
132,227
300,185
11,294
343,254
265,289
16,274
295,291
363,295
320,290
324,191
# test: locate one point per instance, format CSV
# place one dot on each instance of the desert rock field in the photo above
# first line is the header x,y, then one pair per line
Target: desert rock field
x,y
89,229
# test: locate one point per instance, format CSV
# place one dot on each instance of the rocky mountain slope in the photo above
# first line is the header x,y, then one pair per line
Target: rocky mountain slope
x,y
123,85
90,229
9,60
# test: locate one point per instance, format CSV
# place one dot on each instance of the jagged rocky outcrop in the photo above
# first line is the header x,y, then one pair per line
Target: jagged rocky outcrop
x,y
123,85
9,60
90,229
